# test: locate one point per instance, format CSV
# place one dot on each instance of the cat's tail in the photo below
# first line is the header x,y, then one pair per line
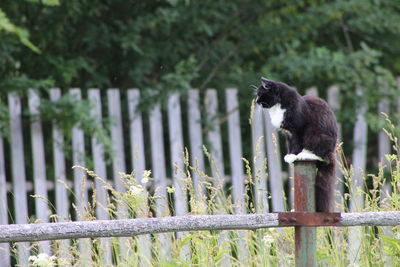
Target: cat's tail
x,y
325,185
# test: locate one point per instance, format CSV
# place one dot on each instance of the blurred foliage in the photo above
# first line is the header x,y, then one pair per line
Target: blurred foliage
x,y
162,46
68,111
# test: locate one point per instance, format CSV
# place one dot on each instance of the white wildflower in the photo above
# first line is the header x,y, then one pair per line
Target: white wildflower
x,y
43,260
135,190
146,176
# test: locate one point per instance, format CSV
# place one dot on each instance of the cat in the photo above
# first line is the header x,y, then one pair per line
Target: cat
x,y
311,132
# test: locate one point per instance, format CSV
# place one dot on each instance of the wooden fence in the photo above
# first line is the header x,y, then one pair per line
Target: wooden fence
x,y
139,134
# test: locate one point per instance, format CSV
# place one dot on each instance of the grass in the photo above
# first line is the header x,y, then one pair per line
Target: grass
x,y
378,246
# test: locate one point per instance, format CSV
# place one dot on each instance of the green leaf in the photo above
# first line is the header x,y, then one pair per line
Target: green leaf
x,y
21,33
46,2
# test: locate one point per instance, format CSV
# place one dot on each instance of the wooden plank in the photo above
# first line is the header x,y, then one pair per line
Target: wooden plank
x,y
177,164
359,158
18,171
398,108
217,162
139,166
80,179
274,164
101,171
60,178
196,152
196,142
98,157
214,136
235,150
118,161
334,103
259,158
114,110
235,154
140,226
39,165
159,174
384,148
176,142
4,247
136,134
158,160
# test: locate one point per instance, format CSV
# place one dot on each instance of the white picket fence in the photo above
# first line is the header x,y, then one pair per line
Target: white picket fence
x,y
16,184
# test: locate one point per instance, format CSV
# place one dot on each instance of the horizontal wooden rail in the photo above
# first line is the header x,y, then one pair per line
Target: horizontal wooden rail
x,y
133,227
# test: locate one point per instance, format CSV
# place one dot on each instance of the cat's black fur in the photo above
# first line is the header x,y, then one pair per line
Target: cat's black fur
x,y
309,124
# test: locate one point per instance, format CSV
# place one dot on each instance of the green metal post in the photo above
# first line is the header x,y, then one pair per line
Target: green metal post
x,y
304,196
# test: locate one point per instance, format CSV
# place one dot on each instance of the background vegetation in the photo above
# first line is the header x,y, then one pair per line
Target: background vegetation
x,y
175,45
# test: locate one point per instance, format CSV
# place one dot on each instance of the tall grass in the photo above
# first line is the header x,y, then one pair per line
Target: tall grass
x,y
380,246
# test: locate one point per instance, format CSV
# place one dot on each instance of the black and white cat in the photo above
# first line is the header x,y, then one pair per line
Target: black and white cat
x,y
311,132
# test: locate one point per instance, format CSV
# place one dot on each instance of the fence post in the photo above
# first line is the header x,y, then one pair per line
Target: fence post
x,y
304,197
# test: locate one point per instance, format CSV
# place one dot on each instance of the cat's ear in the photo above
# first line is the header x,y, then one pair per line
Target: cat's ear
x,y
265,82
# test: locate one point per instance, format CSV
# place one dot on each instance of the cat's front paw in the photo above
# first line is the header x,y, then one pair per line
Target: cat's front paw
x,y
308,155
290,158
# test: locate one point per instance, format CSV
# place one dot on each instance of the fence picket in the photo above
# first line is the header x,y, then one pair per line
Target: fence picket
x,y
235,150
359,163
259,158
196,142
274,164
214,136
160,176
359,157
118,160
334,103
80,180
177,164
136,134
60,178
384,148
4,247
139,165
235,154
176,142
39,165
114,110
100,170
217,163
18,170
398,107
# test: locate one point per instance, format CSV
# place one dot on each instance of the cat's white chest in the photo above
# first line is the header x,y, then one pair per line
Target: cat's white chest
x,y
277,115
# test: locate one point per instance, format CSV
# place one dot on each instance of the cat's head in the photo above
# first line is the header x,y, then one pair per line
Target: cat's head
x,y
268,93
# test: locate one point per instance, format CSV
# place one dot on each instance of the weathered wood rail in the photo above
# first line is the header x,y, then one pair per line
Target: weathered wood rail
x,y
143,226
